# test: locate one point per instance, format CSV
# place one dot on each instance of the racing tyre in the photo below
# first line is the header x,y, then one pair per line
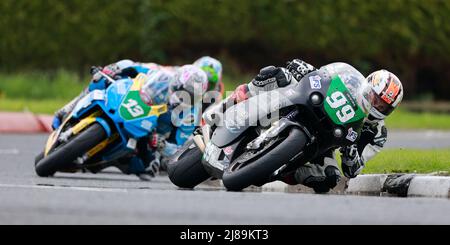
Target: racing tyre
x,y
64,156
253,168
185,169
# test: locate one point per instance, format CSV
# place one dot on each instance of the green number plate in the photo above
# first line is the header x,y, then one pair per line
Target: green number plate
x,y
133,107
340,105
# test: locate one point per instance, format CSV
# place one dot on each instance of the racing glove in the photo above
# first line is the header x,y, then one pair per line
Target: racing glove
x,y
380,136
123,68
97,77
299,68
271,76
352,165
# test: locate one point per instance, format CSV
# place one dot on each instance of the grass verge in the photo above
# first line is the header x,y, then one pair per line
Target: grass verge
x,y
409,161
46,106
403,119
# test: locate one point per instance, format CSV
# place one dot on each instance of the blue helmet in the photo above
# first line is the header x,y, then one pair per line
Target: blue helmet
x,y
155,91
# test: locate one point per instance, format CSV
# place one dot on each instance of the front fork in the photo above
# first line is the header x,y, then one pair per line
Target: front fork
x,y
62,137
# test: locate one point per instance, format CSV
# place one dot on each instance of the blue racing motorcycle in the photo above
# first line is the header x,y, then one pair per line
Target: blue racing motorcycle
x,y
104,126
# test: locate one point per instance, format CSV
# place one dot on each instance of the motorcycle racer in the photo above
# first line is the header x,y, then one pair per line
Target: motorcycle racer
x,y
322,174
162,87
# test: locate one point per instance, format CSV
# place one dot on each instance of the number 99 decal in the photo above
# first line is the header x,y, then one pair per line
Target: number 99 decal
x,y
338,101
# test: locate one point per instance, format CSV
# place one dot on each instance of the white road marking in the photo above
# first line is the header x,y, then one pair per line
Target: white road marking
x,y
9,151
116,190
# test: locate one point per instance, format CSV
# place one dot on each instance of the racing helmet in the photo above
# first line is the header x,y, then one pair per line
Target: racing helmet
x,y
189,85
386,94
155,90
212,67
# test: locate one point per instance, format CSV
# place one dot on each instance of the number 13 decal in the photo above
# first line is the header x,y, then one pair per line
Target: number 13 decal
x,y
337,100
134,108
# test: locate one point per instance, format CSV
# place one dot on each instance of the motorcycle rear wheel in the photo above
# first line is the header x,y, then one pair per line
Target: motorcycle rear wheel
x,y
185,169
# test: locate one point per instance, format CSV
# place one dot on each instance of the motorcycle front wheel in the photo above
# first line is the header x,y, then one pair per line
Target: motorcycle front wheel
x,y
64,156
251,168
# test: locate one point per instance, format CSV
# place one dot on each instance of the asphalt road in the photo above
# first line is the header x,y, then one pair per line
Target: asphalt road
x,y
113,198
419,139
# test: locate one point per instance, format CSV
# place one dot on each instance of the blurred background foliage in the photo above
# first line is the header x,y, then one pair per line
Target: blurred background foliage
x,y
408,37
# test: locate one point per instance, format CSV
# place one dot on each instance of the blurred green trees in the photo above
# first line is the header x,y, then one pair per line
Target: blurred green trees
x,y
409,37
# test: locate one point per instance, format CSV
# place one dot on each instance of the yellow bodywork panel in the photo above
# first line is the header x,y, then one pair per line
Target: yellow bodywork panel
x,y
75,130
54,136
102,145
157,110
138,82
50,142
85,122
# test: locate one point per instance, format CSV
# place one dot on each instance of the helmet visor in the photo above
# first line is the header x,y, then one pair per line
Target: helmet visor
x,y
379,104
213,77
155,91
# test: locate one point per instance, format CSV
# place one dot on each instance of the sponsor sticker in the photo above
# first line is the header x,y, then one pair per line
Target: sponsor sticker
x,y
315,82
352,135
147,125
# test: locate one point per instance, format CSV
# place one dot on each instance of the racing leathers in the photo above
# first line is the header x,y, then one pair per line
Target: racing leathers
x,y
322,174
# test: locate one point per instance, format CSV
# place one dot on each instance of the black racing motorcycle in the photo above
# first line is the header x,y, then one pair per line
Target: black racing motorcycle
x,y
275,132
